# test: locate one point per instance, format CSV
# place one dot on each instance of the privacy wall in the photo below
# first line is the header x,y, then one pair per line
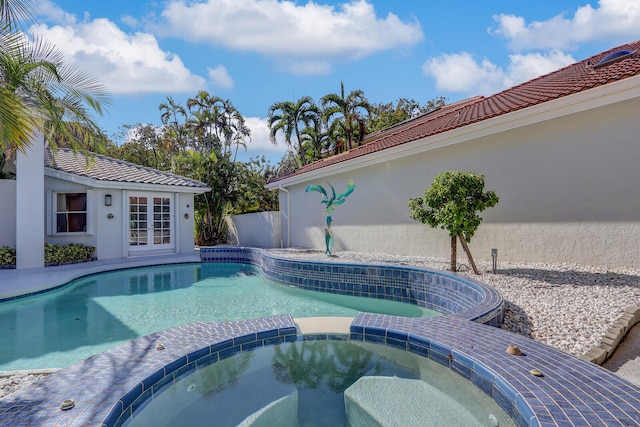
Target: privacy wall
x,y
567,182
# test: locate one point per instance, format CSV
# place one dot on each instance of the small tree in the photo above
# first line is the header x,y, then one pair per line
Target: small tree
x,y
452,203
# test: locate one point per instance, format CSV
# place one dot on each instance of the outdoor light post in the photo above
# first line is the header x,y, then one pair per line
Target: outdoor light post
x,y
494,257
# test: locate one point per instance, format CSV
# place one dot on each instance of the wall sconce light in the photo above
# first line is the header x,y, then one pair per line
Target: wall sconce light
x,y
107,200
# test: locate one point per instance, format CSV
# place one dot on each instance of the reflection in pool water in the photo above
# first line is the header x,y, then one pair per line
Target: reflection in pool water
x,y
101,311
316,383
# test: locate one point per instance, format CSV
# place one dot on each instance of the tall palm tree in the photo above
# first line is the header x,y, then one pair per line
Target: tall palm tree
x,y
204,120
235,131
218,124
287,116
173,116
39,92
348,109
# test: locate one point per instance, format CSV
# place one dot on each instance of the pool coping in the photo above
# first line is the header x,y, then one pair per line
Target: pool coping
x,y
571,392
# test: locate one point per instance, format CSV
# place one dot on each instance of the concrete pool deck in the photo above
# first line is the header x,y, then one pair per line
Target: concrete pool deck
x,y
571,392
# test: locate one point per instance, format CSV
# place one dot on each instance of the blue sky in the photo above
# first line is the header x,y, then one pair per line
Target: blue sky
x,y
257,52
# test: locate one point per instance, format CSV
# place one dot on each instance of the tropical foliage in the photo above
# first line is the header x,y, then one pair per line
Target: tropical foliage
x,y
347,113
53,254
385,115
40,92
452,203
340,123
201,140
287,117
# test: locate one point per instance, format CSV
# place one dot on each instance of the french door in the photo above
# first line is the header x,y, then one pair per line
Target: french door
x,y
151,221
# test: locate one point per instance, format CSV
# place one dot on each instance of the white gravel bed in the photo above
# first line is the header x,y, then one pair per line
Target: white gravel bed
x,y
12,381
567,306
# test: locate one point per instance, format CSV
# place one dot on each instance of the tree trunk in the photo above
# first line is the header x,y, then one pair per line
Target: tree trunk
x,y
453,253
468,252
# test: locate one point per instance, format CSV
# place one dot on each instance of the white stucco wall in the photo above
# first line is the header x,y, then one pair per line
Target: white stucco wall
x,y
110,232
30,205
568,191
185,222
8,212
260,229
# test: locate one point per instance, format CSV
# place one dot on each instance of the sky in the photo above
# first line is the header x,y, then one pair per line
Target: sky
x,y
258,52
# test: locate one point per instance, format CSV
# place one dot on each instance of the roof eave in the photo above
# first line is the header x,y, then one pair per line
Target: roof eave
x,y
120,185
607,94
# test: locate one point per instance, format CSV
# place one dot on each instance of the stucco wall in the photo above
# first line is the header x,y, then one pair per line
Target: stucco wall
x,y
568,191
260,229
29,205
110,224
185,222
8,212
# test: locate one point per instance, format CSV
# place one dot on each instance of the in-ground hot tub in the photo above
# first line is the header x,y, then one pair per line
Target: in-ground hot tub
x,y
319,381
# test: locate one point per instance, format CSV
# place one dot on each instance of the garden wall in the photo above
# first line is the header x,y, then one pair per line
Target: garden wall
x,y
260,229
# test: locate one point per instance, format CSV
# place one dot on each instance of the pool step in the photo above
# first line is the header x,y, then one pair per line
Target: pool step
x,y
393,401
282,413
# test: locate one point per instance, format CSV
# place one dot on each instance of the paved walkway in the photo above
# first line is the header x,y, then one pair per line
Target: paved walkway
x,y
626,359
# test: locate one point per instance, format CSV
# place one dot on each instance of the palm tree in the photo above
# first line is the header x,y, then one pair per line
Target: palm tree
x,y
218,124
349,111
234,129
40,92
172,116
286,117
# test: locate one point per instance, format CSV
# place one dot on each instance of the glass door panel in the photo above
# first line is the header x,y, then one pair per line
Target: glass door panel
x,y
150,221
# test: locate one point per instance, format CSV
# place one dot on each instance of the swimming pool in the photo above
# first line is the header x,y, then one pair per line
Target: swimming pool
x,y
108,387
102,311
313,382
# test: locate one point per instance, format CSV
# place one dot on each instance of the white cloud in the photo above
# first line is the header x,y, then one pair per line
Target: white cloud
x,y
130,21
461,72
260,141
54,13
617,19
124,63
526,67
220,77
286,30
306,68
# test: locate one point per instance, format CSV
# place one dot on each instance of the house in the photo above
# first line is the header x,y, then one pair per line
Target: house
x,y
120,208
562,152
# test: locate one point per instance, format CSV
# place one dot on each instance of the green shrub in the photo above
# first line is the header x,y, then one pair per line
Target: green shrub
x,y
7,255
53,254
67,253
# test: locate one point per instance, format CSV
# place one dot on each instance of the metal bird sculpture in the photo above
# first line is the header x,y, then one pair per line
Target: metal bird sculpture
x,y
330,202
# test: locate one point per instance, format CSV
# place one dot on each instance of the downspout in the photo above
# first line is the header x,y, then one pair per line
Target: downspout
x,y
280,187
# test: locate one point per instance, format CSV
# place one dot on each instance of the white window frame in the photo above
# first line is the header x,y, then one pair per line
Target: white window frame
x,y
52,203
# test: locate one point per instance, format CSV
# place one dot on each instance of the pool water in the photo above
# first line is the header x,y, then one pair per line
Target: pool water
x,y
99,312
321,383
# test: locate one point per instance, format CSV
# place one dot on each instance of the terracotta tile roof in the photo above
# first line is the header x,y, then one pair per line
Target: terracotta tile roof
x,y
103,168
578,77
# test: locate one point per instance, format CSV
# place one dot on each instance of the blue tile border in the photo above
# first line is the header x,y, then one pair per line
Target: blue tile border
x,y
442,291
